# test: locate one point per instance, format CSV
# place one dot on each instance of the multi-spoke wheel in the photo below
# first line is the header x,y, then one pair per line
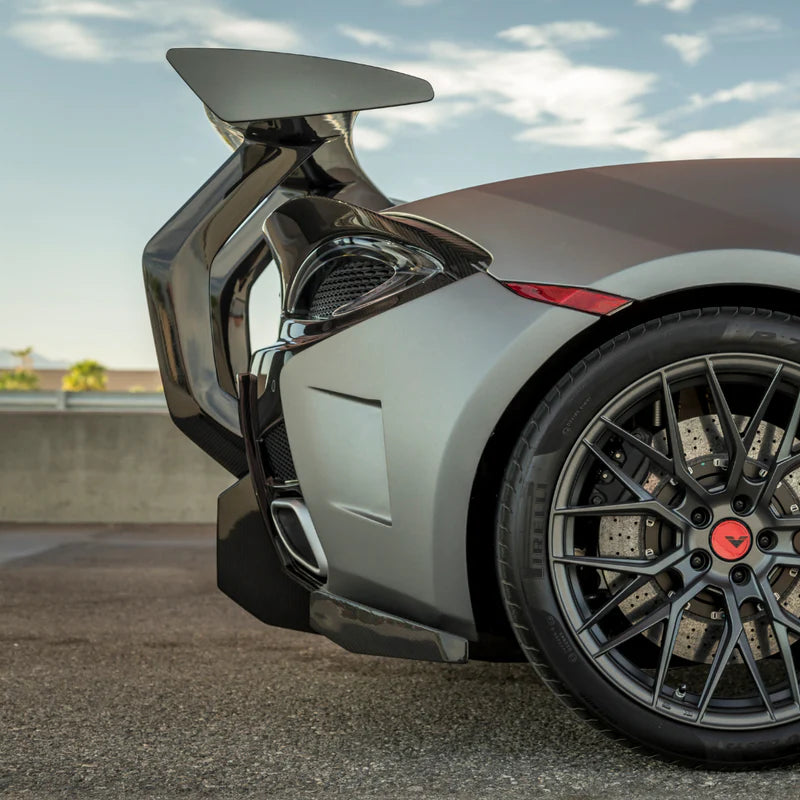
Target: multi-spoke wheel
x,y
649,536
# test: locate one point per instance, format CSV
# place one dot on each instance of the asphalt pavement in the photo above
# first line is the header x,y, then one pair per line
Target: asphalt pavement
x,y
125,673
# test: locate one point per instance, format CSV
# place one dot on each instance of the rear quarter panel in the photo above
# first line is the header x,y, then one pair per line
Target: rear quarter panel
x,y
639,229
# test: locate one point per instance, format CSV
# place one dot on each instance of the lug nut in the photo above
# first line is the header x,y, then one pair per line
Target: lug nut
x,y
739,575
740,504
700,517
766,540
698,561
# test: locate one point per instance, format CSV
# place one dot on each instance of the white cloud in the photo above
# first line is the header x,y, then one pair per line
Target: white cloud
x,y
747,92
671,5
774,136
416,3
554,99
431,116
365,138
691,47
365,37
143,29
563,102
555,33
61,38
744,24
81,8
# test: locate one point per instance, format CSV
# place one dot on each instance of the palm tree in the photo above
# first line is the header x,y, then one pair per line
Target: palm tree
x,y
85,376
22,378
24,356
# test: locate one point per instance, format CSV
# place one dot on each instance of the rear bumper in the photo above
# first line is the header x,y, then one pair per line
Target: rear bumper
x,y
251,571
387,422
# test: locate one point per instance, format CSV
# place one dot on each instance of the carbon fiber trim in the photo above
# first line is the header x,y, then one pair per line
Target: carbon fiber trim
x,y
276,443
347,281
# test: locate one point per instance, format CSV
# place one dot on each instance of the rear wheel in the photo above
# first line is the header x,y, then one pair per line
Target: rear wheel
x,y
648,537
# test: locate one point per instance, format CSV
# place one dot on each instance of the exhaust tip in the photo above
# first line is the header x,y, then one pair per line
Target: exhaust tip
x,y
298,535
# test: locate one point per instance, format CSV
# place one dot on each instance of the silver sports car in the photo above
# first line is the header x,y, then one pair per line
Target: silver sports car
x,y
552,418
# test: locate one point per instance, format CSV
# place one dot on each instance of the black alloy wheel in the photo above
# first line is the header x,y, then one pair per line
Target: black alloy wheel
x,y
648,537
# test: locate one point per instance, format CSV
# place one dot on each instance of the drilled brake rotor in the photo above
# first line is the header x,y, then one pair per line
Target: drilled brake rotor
x,y
639,537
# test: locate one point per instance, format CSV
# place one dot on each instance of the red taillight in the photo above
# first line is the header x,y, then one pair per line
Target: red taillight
x,y
570,297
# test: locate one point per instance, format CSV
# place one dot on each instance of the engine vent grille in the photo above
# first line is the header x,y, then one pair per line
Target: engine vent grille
x,y
276,443
346,282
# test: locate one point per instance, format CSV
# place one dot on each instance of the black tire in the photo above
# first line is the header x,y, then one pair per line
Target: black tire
x,y
524,525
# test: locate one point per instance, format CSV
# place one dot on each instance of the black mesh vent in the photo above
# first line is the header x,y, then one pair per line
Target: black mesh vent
x,y
280,456
346,282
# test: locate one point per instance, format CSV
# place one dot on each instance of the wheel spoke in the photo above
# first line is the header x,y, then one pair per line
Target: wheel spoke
x,y
679,468
784,524
631,566
635,509
779,614
662,461
785,448
758,417
629,483
659,614
784,553
778,471
671,627
733,439
727,645
784,462
746,652
632,586
644,624
641,494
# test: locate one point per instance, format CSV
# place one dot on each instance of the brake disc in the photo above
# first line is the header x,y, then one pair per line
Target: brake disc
x,y
638,537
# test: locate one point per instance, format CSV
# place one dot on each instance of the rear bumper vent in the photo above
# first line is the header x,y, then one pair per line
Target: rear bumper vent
x,y
276,443
346,282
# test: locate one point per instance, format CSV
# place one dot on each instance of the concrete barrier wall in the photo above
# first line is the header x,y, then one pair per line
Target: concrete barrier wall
x,y
103,467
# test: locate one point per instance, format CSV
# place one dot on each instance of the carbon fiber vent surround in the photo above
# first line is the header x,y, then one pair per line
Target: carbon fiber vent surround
x,y
347,281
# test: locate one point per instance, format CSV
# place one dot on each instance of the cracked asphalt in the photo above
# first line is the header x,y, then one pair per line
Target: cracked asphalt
x,y
125,673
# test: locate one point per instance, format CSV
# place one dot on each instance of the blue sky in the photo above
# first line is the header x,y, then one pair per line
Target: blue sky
x,y
101,141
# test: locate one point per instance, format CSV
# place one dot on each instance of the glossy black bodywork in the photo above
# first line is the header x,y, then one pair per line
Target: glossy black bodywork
x,y
262,481
198,298
248,569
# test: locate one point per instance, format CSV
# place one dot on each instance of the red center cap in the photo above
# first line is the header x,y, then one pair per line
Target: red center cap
x,y
731,540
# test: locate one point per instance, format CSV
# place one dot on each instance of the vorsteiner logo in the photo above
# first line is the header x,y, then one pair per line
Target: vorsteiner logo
x,y
731,540
736,542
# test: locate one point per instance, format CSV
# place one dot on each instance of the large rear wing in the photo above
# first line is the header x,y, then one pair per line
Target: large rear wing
x,y
241,87
290,118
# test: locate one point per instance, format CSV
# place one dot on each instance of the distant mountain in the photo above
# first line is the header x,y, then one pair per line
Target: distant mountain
x,y
8,361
